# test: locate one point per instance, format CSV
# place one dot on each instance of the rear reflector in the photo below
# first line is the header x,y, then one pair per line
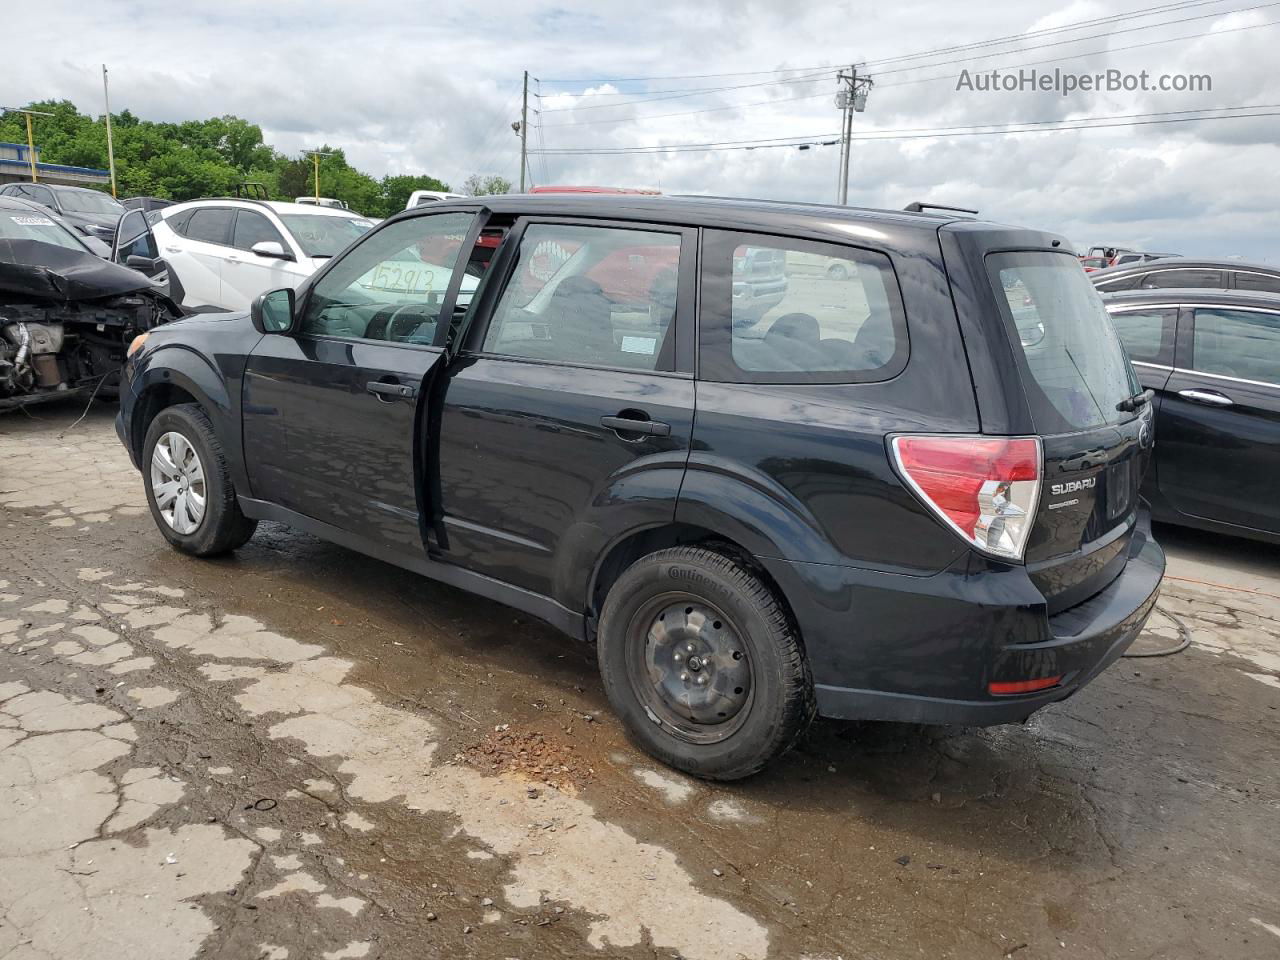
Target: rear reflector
x,y
1024,686
985,488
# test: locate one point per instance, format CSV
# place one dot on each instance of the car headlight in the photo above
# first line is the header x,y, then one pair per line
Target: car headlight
x,y
136,344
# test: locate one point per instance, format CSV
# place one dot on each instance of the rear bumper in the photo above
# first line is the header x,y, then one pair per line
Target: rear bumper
x,y
932,645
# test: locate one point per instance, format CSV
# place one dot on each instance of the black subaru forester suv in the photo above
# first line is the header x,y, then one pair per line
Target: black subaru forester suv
x,y
903,487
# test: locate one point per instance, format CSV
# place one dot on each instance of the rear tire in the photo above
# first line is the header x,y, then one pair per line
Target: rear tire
x,y
188,484
701,663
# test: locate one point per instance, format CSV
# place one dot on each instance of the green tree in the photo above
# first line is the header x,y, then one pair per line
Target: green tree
x,y
396,190
478,186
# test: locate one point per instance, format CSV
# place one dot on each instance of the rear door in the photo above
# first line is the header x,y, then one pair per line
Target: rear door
x,y
1219,425
197,255
1149,334
570,388
1078,383
332,416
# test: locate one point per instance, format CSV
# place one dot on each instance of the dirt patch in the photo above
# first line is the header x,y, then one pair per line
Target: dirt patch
x,y
530,755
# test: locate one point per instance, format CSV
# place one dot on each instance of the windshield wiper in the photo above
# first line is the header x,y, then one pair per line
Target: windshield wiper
x,y
1130,404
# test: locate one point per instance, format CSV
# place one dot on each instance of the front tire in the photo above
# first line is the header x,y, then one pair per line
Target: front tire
x,y
702,664
189,488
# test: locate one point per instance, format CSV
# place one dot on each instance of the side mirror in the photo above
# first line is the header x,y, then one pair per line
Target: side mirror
x,y
145,264
270,248
272,312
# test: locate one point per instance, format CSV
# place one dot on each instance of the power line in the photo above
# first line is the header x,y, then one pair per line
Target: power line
x,y
921,133
900,83
919,80
1094,36
1090,53
688,92
676,95
1010,38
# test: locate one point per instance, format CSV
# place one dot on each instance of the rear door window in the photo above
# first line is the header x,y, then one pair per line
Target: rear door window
x,y
1074,368
1241,344
1165,279
1148,334
780,310
210,224
1257,281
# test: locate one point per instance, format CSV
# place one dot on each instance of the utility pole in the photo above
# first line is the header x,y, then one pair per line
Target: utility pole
x,y
31,141
315,158
851,99
111,154
524,131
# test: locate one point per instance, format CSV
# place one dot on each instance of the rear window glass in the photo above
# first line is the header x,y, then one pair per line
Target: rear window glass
x,y
793,311
1074,368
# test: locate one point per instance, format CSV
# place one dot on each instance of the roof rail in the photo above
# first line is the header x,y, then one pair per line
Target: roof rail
x,y
920,206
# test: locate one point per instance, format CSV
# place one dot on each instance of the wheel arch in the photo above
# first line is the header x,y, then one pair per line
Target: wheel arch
x,y
631,546
178,375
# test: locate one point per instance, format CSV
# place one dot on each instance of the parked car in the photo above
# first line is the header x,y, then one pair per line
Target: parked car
x,y
89,212
1133,257
419,197
877,501
66,315
1212,357
145,203
225,252
1208,274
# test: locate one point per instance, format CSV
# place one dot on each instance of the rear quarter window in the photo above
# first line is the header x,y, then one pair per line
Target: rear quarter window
x,y
783,310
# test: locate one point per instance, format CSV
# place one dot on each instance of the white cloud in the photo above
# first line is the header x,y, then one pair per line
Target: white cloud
x,y
434,88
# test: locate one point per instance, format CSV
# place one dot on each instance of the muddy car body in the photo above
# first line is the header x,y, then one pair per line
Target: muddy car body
x,y
891,497
66,315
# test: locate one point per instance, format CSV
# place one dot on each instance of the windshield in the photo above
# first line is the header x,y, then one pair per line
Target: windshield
x,y
19,225
1074,368
324,236
88,201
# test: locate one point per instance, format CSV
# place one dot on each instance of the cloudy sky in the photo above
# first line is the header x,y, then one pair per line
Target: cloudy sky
x,y
433,88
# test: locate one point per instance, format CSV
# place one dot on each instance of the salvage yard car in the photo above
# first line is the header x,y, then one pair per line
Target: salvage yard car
x,y
1212,358
874,500
66,315
1185,273
90,212
227,251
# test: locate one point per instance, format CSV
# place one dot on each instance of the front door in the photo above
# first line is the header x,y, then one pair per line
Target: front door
x,y
1218,430
569,407
246,274
332,415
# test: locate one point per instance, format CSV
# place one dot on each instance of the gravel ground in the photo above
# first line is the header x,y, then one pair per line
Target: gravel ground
x,y
298,752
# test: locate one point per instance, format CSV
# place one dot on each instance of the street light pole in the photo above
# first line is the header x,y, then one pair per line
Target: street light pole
x,y
31,141
111,154
315,157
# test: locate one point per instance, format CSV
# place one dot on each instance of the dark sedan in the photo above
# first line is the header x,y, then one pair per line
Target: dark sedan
x,y
1213,359
1183,272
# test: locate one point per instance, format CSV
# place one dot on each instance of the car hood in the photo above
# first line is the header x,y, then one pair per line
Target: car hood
x,y
46,271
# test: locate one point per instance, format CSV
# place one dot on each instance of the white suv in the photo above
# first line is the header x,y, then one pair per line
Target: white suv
x,y
226,252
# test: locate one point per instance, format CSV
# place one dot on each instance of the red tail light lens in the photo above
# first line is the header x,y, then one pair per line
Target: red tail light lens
x,y
984,488
1023,686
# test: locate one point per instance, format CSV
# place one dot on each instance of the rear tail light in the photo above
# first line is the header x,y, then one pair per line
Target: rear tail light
x,y
985,488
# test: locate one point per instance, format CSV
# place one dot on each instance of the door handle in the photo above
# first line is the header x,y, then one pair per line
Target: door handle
x,y
646,427
1212,397
388,392
172,249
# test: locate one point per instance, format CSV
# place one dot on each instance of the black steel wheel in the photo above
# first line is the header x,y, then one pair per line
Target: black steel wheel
x,y
702,664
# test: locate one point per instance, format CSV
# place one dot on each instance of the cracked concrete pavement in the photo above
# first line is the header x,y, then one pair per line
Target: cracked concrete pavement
x,y
273,755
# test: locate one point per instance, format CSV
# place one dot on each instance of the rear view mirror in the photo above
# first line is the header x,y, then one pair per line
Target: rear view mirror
x,y
272,312
270,248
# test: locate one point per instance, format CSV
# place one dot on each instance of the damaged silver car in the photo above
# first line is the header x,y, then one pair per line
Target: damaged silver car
x,y
66,315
